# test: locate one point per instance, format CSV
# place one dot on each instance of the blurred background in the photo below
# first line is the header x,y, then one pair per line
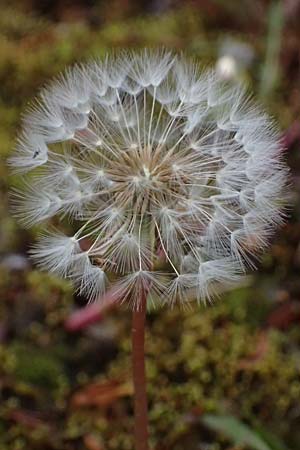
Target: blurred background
x,y
225,377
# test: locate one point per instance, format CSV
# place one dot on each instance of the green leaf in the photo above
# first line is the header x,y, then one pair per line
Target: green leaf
x,y
237,431
274,442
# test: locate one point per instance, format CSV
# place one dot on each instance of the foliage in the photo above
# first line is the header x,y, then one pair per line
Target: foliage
x,y
239,432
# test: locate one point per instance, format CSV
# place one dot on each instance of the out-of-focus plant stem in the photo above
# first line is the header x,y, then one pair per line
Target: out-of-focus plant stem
x,y
270,68
90,314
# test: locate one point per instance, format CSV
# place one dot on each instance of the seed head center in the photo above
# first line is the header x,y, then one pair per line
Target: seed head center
x,y
147,172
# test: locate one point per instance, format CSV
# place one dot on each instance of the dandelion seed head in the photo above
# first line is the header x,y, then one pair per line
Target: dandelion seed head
x,y
175,177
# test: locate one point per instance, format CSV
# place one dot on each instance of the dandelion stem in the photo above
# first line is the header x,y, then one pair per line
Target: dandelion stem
x,y
139,377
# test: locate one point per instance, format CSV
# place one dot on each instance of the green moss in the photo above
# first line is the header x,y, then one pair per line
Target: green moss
x,y
36,366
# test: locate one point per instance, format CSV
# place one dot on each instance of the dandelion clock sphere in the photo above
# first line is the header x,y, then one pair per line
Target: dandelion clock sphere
x,y
158,161
173,178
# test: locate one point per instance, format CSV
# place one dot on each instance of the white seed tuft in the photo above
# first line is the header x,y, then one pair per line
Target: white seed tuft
x,y
176,177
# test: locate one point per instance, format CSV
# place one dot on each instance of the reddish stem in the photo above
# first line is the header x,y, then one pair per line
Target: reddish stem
x,y
139,377
90,314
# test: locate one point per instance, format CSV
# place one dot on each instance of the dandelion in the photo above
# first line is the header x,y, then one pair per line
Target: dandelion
x,y
173,179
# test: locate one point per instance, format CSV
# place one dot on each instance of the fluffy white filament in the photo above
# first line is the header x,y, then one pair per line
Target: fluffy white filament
x,y
176,177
